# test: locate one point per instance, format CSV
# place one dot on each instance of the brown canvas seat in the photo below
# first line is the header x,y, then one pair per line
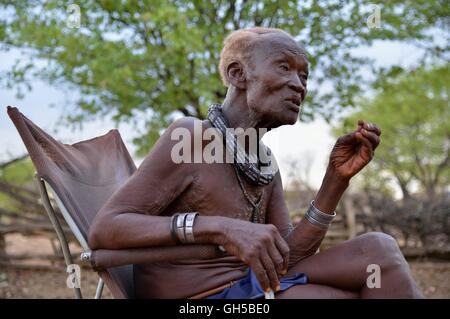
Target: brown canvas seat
x,y
82,177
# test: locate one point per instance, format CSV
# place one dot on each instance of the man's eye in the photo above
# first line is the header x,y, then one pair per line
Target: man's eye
x,y
284,67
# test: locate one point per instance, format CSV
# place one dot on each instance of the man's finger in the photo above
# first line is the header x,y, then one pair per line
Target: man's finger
x,y
270,271
373,128
283,248
260,274
367,149
374,139
276,257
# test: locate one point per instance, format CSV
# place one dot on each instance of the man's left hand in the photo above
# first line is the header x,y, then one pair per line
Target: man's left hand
x,y
355,150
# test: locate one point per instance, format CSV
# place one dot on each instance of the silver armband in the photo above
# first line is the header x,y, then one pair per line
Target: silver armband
x,y
189,228
180,227
318,218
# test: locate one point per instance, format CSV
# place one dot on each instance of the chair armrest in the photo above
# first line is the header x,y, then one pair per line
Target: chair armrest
x,y
108,258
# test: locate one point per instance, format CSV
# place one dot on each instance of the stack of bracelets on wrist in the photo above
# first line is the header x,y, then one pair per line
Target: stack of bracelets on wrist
x,y
318,218
182,227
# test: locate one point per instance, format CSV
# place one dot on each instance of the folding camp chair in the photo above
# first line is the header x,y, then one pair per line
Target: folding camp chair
x,y
82,177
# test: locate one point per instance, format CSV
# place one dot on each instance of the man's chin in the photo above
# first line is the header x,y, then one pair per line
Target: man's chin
x,y
291,119
288,120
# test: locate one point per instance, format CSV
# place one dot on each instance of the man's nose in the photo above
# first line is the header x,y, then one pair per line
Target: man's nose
x,y
296,84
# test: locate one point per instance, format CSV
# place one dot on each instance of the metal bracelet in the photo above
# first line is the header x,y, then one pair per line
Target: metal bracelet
x,y
189,227
173,223
318,218
180,227
326,218
315,222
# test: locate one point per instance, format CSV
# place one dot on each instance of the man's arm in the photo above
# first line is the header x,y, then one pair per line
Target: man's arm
x,y
130,218
349,155
304,239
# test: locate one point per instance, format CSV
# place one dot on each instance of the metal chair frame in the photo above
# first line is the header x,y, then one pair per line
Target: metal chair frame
x,y
52,214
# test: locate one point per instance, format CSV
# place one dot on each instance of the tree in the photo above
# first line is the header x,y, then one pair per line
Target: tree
x,y
148,61
413,113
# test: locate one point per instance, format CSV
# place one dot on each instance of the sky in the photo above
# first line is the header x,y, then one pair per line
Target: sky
x,y
303,142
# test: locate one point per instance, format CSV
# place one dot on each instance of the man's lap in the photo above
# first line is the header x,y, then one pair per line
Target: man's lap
x,y
249,287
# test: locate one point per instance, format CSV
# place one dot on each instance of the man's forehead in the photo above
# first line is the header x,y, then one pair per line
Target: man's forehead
x,y
275,45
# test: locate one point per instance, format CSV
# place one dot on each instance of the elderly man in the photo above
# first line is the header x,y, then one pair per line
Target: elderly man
x,y
240,207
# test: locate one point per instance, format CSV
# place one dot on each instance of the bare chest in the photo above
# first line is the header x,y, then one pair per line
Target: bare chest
x,y
216,191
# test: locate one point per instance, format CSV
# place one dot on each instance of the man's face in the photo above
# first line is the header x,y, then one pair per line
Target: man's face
x,y
277,80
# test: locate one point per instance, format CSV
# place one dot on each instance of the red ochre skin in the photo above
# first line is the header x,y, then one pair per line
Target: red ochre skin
x,y
263,95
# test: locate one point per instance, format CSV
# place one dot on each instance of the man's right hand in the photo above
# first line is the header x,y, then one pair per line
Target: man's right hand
x,y
261,247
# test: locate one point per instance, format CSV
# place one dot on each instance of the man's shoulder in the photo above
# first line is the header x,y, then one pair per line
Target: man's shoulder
x,y
182,132
190,123
187,129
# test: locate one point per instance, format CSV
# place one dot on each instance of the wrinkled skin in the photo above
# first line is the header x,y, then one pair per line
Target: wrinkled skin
x,y
266,94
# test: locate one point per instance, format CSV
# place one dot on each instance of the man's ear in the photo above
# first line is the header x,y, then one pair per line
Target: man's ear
x,y
236,75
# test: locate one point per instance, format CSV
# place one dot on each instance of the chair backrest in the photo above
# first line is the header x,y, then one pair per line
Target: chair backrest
x,y
83,175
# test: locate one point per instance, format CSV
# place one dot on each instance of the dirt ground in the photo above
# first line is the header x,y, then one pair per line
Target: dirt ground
x,y
21,283
432,277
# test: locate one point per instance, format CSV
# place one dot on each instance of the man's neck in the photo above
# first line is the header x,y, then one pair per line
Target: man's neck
x,y
238,114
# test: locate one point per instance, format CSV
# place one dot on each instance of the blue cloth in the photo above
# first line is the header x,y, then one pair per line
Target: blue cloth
x,y
249,287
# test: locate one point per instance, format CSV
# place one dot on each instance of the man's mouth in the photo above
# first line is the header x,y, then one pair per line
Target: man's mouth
x,y
294,103
297,100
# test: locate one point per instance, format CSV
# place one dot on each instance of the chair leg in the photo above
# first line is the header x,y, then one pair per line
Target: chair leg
x,y
99,291
57,226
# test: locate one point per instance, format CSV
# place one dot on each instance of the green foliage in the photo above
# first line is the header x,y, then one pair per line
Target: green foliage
x,y
19,173
150,60
413,113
